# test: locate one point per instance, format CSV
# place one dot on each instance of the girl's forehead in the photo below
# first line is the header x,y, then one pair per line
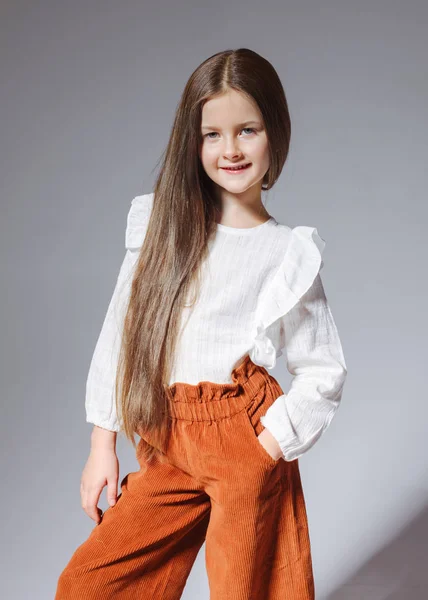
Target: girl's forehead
x,y
229,109
227,100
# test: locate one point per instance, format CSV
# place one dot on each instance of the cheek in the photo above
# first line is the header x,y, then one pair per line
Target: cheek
x,y
208,157
262,149
262,154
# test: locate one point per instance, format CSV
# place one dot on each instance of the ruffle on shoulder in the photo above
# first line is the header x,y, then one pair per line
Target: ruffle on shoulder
x,y
301,263
137,220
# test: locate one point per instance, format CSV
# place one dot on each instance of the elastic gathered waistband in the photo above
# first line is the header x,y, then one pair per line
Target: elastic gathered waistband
x,y
209,401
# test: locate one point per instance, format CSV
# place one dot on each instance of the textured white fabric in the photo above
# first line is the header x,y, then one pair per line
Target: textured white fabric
x,y
262,295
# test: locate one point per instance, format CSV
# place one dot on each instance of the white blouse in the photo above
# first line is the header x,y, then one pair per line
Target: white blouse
x,y
261,294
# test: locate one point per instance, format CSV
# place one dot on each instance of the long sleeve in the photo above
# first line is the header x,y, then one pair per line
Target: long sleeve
x,y
100,393
100,401
315,358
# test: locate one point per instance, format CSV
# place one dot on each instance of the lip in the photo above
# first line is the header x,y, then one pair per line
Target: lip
x,y
233,169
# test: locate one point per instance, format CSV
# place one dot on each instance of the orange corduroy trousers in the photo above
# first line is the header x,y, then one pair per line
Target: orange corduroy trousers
x,y
219,486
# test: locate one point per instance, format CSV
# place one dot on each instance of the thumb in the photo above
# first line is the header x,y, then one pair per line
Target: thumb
x,y
112,493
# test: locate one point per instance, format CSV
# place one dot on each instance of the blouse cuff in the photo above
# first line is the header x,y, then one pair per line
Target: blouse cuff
x,y
278,422
97,420
97,416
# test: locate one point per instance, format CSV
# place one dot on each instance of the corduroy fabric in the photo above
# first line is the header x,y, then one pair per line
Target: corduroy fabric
x,y
218,485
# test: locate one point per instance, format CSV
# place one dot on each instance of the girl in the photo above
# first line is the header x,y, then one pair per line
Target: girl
x,y
211,291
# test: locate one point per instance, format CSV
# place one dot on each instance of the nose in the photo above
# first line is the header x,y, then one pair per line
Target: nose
x,y
231,149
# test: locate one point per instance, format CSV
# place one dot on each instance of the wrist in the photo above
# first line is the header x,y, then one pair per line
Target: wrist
x,y
103,438
270,443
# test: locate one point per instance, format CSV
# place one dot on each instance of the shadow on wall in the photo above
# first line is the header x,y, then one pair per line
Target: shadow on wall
x,y
397,572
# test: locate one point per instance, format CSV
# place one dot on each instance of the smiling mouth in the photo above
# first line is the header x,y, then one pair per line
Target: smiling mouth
x,y
236,169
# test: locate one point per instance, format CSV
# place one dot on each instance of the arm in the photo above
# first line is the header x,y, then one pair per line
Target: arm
x,y
315,358
100,399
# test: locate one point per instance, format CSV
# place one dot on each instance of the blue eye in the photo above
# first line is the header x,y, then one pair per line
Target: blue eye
x,y
215,133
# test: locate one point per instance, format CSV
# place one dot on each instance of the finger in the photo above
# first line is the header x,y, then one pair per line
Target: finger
x,y
94,512
112,491
91,508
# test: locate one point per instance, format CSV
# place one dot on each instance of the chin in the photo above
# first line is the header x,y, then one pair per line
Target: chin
x,y
236,189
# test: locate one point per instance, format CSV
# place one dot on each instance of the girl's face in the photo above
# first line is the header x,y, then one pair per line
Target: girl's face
x,y
233,134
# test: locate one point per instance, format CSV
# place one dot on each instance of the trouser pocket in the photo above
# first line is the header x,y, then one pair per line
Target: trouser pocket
x,y
252,413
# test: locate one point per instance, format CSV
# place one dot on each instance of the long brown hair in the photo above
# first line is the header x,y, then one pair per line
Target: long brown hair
x,y
182,219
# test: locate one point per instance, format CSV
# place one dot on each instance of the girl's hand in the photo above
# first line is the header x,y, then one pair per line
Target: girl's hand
x,y
270,444
102,468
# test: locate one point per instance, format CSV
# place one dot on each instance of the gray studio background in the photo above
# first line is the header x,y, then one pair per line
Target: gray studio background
x,y
88,92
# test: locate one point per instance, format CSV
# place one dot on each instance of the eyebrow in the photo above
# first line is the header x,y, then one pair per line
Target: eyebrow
x,y
240,125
